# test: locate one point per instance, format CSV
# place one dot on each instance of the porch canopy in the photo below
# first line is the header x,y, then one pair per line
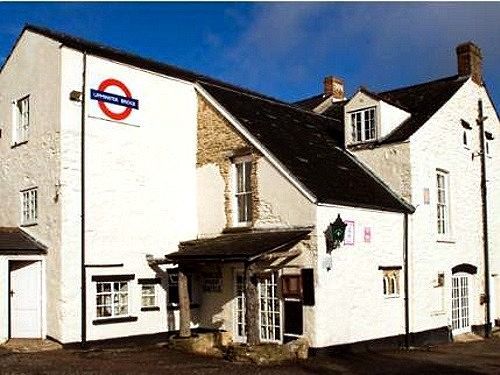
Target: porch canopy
x,y
248,247
15,241
239,247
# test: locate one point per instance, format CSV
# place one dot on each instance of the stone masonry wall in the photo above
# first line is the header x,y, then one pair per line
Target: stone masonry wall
x,y
217,144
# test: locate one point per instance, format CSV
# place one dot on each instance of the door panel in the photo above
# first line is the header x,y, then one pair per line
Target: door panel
x,y
25,299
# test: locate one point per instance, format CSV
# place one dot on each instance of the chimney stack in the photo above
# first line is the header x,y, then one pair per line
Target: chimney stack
x,y
334,86
470,61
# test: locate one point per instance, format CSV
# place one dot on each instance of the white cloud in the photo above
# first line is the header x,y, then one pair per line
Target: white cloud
x,y
379,45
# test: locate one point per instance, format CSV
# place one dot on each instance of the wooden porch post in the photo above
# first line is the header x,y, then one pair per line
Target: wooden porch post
x,y
251,307
184,305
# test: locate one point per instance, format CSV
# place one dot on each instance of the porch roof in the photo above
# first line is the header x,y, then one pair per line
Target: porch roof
x,y
238,247
15,241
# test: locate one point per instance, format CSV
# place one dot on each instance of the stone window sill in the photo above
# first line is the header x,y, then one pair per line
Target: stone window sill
x,y
114,320
445,240
17,144
28,225
150,308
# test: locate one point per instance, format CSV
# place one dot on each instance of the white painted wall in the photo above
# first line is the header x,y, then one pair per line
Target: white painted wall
x,y
390,117
280,203
140,185
350,304
438,144
33,69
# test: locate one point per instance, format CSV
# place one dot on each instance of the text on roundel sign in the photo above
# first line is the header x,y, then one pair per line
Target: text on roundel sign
x,y
103,97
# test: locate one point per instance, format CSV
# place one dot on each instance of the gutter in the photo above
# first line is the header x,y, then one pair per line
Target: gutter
x,y
406,278
82,235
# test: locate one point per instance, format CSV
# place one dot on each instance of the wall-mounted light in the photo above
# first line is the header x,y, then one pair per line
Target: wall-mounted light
x,y
75,96
335,234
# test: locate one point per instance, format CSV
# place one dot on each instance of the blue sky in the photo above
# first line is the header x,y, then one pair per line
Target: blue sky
x,y
283,49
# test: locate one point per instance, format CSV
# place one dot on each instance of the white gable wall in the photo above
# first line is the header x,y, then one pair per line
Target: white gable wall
x,y
438,144
32,69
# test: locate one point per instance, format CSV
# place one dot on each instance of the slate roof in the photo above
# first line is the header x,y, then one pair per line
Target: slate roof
x,y
311,103
98,49
310,147
238,247
17,241
422,101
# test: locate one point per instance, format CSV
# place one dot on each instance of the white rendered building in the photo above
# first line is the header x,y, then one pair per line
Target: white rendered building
x,y
115,168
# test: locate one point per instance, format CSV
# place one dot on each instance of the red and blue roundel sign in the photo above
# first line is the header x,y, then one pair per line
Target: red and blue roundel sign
x,y
104,97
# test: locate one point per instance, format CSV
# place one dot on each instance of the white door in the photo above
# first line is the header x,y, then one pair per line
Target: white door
x,y
25,299
460,318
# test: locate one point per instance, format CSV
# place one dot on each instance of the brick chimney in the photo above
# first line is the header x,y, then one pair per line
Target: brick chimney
x,y
469,61
334,86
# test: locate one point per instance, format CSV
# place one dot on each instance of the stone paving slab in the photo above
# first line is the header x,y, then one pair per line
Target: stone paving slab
x,y
30,345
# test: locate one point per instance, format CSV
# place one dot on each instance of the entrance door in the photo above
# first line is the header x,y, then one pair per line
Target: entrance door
x,y
270,308
460,319
25,299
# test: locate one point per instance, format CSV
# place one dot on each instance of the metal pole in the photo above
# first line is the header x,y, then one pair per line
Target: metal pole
x,y
484,199
82,235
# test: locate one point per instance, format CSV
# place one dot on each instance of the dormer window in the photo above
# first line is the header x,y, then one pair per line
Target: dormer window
x,y
363,125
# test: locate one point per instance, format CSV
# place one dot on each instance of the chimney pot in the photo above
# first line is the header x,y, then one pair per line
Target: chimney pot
x,y
334,86
469,60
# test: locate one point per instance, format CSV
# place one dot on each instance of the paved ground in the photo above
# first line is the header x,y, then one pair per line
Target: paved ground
x,y
460,358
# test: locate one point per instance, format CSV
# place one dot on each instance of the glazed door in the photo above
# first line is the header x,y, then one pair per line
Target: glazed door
x,y
460,319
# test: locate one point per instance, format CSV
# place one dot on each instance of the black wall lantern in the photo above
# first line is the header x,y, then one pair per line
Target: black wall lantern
x,y
334,234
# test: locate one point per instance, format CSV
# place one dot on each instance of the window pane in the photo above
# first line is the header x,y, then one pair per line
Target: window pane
x,y
248,176
240,178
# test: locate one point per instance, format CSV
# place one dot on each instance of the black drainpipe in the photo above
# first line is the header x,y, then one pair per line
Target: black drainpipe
x,y
484,199
82,235
405,263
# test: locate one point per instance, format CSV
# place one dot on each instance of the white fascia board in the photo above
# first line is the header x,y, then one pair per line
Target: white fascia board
x,y
255,142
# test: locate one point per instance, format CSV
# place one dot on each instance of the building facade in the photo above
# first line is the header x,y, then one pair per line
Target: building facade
x,y
121,174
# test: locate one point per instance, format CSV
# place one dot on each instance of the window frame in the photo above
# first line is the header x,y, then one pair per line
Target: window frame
x,y
154,295
29,214
362,131
113,304
245,161
21,130
445,232
391,283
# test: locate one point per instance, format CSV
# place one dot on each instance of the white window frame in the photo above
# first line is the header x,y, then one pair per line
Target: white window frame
x,y
144,287
114,299
269,297
29,206
443,216
21,120
391,286
245,161
361,117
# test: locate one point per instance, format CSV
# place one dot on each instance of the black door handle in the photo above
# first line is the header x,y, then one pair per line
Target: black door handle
x,y
11,293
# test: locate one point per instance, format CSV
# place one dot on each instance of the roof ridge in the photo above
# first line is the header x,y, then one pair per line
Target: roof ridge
x,y
58,35
444,79
284,104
